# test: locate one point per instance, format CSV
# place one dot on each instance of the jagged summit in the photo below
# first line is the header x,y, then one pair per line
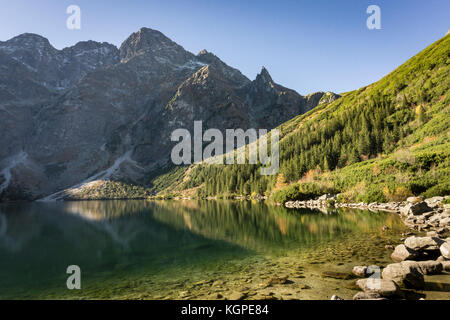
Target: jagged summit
x,y
264,76
93,111
149,41
203,52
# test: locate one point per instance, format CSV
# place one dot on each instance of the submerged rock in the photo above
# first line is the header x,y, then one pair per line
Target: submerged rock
x,y
277,280
337,275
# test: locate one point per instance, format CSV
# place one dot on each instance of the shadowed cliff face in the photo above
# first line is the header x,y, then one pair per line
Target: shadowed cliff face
x,y
93,111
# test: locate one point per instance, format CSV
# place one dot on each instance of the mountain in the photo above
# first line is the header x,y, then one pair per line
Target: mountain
x,y
383,142
92,113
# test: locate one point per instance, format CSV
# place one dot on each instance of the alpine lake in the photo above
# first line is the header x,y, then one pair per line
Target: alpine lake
x,y
142,249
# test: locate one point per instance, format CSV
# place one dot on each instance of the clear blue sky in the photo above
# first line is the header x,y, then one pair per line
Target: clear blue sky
x,y
308,45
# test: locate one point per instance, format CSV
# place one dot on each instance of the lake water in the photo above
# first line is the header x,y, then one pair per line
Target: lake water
x,y
142,249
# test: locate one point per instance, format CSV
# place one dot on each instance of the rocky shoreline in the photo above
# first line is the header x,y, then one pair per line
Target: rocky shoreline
x,y
413,259
419,214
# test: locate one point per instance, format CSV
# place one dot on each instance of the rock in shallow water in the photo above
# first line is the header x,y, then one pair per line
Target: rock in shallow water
x,y
401,253
337,275
385,288
423,243
360,271
404,274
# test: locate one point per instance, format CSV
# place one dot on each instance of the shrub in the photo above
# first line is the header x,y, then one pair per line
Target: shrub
x,y
437,190
396,193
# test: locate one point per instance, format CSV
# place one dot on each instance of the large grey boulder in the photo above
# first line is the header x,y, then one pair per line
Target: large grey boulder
x,y
434,202
382,287
402,253
423,243
404,274
415,208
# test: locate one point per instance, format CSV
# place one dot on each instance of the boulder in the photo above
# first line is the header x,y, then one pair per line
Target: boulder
x,y
402,253
444,222
427,267
447,207
405,274
414,199
360,271
335,297
434,202
385,288
445,250
423,243
415,208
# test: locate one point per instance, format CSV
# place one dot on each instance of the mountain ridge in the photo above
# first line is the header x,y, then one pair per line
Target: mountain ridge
x,y
382,142
95,111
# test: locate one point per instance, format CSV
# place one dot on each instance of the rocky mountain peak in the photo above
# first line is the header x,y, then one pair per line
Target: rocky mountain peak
x,y
148,41
264,76
93,111
27,41
92,45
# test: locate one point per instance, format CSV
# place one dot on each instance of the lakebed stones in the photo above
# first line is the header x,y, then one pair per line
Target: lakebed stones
x,y
337,275
382,287
404,274
401,253
277,280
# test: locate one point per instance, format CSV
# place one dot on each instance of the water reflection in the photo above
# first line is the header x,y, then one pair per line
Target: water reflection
x,y
39,240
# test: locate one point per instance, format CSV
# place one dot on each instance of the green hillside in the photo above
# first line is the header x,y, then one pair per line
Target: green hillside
x,y
383,142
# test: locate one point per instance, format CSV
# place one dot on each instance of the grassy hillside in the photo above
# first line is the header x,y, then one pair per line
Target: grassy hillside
x,y
383,142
